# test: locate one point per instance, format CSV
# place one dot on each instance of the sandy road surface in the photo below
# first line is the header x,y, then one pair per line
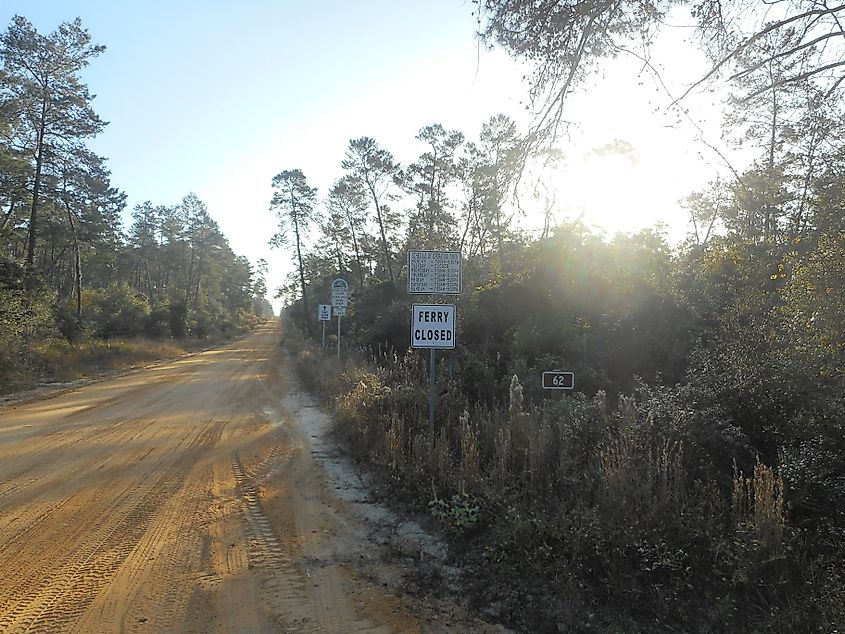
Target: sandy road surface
x,y
182,498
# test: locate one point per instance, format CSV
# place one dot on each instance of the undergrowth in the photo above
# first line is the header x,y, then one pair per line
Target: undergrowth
x,y
61,360
56,360
579,515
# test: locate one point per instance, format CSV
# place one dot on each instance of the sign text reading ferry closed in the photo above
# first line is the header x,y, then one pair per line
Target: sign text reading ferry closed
x,y
433,326
434,272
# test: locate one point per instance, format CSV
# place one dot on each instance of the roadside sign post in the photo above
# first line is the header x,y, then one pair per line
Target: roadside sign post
x,y
433,273
339,312
433,327
432,392
324,314
340,300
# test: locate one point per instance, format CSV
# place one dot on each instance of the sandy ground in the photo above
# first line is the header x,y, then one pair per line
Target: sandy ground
x,y
203,496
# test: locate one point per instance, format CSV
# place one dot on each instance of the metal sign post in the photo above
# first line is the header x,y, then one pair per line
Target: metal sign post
x,y
433,327
432,393
340,300
339,312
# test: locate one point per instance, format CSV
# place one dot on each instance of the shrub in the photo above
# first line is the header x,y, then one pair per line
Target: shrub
x,y
177,319
116,310
157,322
24,321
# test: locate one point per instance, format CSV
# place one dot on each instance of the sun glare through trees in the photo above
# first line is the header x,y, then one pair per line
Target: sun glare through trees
x,y
561,343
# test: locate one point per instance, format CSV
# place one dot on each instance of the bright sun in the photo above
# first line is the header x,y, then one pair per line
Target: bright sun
x,y
610,191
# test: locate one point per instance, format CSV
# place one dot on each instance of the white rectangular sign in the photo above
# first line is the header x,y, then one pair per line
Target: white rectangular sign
x,y
433,326
434,272
324,312
340,311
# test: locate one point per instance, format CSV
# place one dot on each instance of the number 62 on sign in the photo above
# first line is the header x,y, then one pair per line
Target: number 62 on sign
x,y
558,380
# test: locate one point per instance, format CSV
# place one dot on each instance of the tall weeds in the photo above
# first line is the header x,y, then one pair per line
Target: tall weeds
x,y
574,501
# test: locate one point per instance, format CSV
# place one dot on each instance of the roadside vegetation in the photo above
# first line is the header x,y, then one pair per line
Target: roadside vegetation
x,y
693,479
689,483
79,293
35,350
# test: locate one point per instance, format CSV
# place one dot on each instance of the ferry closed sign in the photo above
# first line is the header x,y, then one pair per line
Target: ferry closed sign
x,y
433,326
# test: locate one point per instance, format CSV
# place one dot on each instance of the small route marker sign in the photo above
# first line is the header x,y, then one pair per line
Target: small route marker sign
x,y
558,380
434,272
339,311
324,312
433,326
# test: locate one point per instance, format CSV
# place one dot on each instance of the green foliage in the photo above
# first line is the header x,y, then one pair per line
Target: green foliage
x,y
158,320
116,311
177,319
61,239
458,515
25,320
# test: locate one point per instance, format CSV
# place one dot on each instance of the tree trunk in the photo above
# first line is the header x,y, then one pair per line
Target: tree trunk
x,y
199,280
768,221
339,256
302,278
77,263
384,246
149,281
36,186
357,255
8,217
189,278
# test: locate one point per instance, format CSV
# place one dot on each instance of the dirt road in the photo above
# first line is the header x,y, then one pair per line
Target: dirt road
x,y
186,498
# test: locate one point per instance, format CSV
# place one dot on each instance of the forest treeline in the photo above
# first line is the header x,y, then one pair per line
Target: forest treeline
x,y
70,272
693,479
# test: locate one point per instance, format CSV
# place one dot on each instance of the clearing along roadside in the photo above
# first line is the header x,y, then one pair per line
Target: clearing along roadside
x,y
193,497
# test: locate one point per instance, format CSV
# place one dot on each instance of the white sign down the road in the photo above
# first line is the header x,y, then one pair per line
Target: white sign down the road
x,y
433,326
340,293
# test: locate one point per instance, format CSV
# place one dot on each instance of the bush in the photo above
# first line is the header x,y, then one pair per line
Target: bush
x,y
157,323
177,319
116,311
608,506
24,321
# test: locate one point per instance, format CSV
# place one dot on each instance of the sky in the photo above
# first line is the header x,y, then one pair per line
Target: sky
x,y
217,97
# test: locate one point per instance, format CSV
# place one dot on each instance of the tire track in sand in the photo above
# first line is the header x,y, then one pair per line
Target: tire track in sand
x,y
62,598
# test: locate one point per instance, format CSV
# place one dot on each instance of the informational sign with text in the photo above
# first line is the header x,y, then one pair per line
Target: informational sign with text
x,y
433,326
434,272
324,312
340,293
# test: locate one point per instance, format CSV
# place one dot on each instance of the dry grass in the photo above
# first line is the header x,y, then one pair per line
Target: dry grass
x,y
573,496
61,360
757,503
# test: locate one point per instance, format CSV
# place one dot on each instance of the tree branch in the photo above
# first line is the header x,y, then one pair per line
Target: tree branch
x,y
790,80
744,45
787,53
